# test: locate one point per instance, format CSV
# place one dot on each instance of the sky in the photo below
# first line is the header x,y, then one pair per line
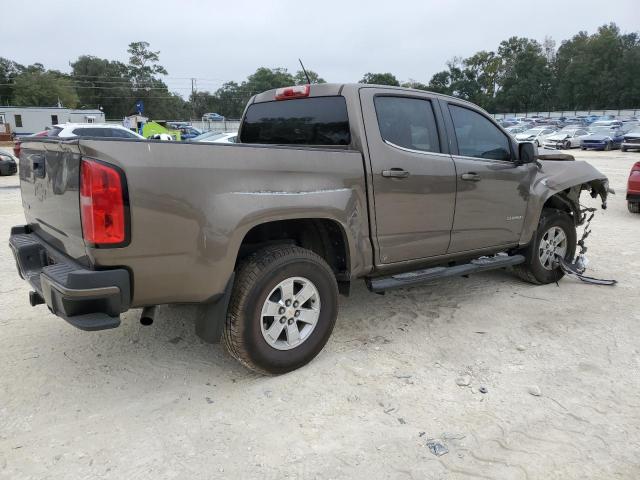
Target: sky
x,y
216,41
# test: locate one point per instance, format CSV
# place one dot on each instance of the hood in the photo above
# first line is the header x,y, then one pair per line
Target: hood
x,y
557,136
632,135
524,136
599,137
558,176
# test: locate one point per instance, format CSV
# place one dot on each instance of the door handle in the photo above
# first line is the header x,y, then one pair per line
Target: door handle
x,y
470,177
395,173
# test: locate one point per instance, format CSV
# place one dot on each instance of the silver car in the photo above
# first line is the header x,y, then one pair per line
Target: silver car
x,y
568,137
537,135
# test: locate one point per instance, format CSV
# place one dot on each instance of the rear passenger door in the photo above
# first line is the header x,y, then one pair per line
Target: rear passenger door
x,y
492,190
412,174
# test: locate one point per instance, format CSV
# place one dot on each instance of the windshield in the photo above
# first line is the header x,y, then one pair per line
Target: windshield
x,y
600,130
208,137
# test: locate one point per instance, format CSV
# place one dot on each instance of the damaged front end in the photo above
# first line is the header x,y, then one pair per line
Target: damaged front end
x,y
559,182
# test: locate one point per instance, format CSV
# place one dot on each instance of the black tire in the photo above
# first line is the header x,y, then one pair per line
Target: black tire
x,y
566,145
532,269
256,277
583,148
624,149
607,147
634,207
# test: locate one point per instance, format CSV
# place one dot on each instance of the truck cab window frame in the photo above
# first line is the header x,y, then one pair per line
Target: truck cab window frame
x,y
394,114
473,134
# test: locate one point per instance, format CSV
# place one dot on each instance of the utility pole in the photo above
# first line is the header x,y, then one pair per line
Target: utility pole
x,y
193,97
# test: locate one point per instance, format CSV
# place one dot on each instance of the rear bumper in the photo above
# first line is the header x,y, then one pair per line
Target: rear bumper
x,y
633,196
87,299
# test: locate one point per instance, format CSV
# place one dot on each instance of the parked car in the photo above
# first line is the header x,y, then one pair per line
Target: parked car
x,y
329,183
536,135
8,165
633,189
568,137
188,132
213,117
602,138
71,130
631,140
217,137
516,129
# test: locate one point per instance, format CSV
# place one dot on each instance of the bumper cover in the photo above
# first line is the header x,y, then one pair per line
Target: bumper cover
x,y
87,299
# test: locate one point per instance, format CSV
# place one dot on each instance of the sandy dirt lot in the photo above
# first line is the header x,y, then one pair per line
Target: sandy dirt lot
x,y
157,403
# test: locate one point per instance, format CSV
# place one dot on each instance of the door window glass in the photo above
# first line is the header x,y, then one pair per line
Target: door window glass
x,y
477,136
407,122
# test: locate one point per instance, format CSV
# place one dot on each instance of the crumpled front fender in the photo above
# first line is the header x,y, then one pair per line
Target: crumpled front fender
x,y
566,180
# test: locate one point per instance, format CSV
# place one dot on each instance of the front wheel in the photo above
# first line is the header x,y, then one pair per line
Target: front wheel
x,y
556,235
607,146
282,309
566,145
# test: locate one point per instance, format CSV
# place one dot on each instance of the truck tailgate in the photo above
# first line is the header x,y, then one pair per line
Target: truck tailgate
x,y
50,181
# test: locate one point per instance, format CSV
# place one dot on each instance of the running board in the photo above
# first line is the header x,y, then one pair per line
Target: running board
x,y
408,279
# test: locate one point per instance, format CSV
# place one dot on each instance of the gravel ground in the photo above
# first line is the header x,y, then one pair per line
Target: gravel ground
x,y
559,364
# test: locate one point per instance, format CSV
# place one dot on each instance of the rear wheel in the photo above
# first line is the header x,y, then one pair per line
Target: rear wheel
x,y
634,207
282,310
556,235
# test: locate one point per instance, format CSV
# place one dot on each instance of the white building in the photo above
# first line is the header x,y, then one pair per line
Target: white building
x,y
28,120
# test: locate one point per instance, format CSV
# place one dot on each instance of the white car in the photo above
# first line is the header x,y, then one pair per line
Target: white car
x,y
537,135
106,130
568,137
216,137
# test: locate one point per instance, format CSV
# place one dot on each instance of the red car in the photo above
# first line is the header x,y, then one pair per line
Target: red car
x,y
633,189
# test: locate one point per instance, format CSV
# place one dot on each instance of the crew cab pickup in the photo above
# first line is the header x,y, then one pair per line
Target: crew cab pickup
x,y
328,184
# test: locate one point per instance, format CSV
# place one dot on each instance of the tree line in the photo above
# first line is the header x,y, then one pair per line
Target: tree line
x,y
596,71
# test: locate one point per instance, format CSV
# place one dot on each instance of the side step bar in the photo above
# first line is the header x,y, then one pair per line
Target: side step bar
x,y
408,279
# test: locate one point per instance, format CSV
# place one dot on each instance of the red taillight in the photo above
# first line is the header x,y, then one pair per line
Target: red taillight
x,y
102,205
299,91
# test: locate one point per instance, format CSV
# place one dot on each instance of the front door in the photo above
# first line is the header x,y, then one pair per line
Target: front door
x,y
492,190
414,181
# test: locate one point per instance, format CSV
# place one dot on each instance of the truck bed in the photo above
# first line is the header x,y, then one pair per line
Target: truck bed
x,y
191,205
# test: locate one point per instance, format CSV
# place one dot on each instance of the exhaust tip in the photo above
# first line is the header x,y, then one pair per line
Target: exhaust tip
x,y
147,316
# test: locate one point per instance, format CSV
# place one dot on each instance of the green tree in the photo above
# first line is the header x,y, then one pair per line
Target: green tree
x,y
380,79
9,70
37,87
144,63
301,79
525,78
103,83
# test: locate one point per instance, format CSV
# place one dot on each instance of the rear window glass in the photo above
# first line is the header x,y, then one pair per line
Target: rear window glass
x,y
308,121
53,132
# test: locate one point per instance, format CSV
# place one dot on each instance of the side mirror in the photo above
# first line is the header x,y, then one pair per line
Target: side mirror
x,y
527,153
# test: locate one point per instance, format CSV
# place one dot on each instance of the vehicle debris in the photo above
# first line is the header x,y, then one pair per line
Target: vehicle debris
x,y
535,391
436,447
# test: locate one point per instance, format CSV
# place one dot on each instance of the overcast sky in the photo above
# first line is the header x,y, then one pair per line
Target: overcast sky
x,y
218,41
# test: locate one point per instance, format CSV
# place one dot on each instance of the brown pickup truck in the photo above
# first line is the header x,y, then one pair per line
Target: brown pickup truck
x,y
328,184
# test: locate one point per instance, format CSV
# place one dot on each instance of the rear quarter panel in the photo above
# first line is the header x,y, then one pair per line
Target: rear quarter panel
x,y
192,204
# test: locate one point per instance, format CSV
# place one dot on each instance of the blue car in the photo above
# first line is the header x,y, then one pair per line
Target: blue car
x,y
602,138
189,132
